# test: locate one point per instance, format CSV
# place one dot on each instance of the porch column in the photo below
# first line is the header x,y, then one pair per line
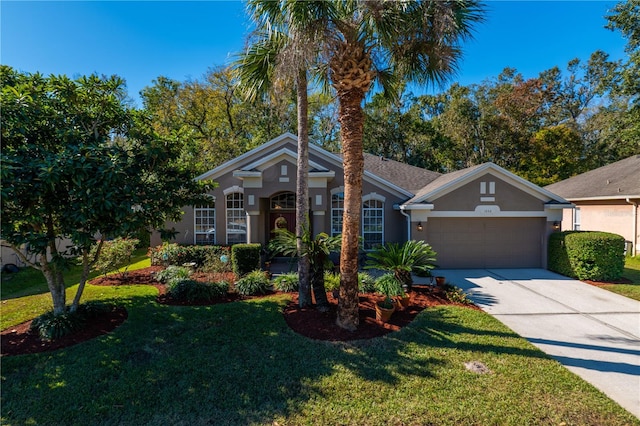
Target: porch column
x,y
253,226
318,222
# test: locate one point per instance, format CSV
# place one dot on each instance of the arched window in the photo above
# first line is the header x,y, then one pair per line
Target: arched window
x,y
372,221
205,223
236,218
337,209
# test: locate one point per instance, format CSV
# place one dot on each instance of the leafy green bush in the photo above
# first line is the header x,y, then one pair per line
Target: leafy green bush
x,y
195,291
218,259
114,253
456,295
286,282
52,327
390,287
584,255
402,259
331,281
255,282
175,254
366,283
171,273
245,258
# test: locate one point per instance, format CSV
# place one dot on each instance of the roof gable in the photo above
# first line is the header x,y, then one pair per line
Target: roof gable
x,y
449,182
614,181
268,154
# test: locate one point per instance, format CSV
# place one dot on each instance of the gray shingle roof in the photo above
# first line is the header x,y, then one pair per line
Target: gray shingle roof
x,y
405,176
614,180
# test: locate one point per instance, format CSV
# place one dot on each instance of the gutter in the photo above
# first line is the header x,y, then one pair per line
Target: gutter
x,y
634,249
405,214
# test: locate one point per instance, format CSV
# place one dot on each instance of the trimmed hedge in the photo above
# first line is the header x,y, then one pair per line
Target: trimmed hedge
x,y
175,254
245,258
597,256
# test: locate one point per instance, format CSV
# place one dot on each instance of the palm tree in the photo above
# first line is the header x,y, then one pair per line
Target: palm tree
x,y
363,42
283,50
389,42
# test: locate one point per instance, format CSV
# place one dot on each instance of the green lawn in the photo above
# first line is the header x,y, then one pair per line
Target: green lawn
x,y
631,272
239,363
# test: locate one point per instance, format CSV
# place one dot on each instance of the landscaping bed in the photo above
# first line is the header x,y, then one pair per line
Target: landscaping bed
x,y
308,322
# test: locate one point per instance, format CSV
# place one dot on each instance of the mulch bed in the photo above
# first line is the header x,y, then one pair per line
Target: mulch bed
x,y
19,340
308,322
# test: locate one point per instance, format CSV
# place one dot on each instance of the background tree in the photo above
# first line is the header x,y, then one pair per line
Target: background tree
x,y
211,119
78,164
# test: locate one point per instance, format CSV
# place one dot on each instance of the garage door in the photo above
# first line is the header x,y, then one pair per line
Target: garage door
x,y
487,242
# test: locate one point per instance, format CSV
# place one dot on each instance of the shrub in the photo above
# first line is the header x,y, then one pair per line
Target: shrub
x,y
175,254
172,273
52,327
255,282
114,253
245,258
587,255
331,281
366,283
218,259
195,291
390,287
456,295
402,259
286,282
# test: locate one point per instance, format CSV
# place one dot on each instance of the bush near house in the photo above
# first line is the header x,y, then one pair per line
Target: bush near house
x,y
585,255
245,258
175,254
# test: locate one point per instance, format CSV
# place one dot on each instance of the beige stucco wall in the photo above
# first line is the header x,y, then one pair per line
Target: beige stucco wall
x,y
615,216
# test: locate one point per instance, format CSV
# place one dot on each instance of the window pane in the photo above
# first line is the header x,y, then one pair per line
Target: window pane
x,y
204,222
236,219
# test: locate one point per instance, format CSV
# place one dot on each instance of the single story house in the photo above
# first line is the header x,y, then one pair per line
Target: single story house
x,y
479,217
605,199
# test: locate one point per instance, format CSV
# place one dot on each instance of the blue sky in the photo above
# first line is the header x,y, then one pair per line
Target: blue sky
x,y
140,41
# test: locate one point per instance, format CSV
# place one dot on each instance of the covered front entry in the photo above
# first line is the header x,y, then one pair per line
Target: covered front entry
x,y
487,242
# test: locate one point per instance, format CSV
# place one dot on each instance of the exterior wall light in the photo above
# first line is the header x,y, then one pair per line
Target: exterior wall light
x,y
419,227
556,225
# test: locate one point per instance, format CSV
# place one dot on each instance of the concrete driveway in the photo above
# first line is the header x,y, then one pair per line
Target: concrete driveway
x,y
591,331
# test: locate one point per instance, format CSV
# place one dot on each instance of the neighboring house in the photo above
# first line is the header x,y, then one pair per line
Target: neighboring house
x,y
480,217
605,199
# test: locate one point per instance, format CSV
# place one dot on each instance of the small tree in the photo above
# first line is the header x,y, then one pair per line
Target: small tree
x,y
114,254
78,164
317,250
402,259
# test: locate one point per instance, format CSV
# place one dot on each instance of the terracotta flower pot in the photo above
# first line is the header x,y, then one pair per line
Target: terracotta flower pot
x,y
384,314
402,302
440,281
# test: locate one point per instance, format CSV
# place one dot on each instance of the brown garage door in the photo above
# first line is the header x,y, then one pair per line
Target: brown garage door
x,y
487,242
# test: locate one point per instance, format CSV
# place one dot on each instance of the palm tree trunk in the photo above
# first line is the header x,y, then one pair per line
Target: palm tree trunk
x,y
302,190
351,121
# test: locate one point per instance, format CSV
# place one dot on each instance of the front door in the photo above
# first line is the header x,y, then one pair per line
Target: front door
x,y
283,220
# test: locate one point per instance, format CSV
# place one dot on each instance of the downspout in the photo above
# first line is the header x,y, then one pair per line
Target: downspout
x,y
634,249
403,213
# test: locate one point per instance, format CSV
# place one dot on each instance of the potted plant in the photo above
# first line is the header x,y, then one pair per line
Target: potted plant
x,y
402,301
390,287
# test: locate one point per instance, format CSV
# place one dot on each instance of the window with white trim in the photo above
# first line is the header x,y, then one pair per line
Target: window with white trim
x,y
337,209
205,223
576,219
236,219
372,223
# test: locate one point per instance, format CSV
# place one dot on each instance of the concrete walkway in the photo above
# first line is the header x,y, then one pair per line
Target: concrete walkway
x,y
591,331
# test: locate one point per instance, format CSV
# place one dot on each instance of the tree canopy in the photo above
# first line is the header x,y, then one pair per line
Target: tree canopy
x,y
78,166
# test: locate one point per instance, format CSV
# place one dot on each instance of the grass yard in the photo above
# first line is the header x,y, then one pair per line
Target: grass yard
x,y
631,272
239,363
